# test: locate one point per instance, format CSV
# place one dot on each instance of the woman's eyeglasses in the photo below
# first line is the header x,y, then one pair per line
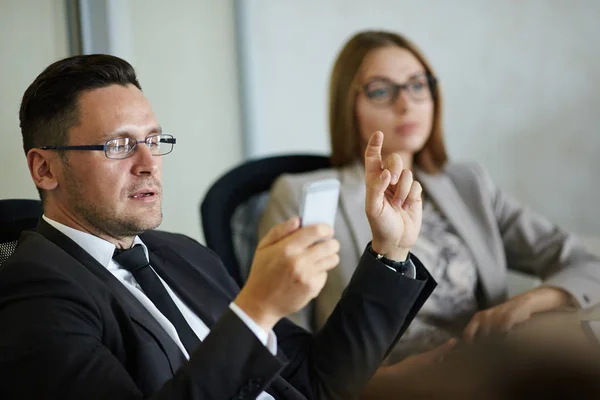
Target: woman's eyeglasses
x,y
384,92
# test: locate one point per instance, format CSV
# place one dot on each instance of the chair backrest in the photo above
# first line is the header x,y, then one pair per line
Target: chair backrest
x,y
16,215
233,206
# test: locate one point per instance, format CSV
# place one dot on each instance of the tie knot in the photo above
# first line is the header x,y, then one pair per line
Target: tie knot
x,y
131,259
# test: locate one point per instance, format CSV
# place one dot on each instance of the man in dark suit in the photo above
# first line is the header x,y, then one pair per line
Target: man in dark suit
x,y
97,304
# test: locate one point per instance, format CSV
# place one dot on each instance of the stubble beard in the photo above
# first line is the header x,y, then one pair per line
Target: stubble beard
x,y
105,222
102,220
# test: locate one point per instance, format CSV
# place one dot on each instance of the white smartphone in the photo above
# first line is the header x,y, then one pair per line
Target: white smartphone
x,y
319,202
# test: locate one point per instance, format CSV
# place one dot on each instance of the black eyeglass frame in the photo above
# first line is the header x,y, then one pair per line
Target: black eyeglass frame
x,y
104,147
431,81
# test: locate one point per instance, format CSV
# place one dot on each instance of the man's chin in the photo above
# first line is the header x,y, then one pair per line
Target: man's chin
x,y
142,224
153,223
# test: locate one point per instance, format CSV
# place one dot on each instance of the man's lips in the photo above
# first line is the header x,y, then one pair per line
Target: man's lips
x,y
144,193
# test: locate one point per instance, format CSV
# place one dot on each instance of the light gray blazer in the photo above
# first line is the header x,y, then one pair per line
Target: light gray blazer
x,y
498,232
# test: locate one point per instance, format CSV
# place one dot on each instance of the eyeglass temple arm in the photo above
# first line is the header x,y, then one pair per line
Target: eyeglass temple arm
x,y
89,147
97,147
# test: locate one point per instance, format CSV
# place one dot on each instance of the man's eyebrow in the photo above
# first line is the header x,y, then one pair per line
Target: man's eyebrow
x,y
124,132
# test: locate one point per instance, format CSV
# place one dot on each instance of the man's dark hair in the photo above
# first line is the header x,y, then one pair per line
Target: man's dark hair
x,y
49,108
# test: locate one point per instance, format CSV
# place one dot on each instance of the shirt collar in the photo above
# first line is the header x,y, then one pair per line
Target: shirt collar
x,y
100,249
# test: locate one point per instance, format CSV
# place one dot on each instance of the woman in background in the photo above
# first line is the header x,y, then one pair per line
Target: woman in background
x,y
471,232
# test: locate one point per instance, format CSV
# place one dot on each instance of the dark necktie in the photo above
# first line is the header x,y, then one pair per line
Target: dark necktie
x,y
134,260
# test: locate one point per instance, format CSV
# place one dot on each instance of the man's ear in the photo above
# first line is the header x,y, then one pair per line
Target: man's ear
x,y
42,169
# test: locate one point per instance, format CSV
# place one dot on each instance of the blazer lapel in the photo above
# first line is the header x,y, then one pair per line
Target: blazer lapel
x,y
203,296
135,310
444,194
194,286
196,289
352,205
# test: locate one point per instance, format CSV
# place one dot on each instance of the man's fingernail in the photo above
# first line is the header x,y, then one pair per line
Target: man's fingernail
x,y
406,206
394,179
382,176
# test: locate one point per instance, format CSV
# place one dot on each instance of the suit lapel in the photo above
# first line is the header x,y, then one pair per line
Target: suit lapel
x,y
443,193
352,205
197,289
194,286
203,296
132,306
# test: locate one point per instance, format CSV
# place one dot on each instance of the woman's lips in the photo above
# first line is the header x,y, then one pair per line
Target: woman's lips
x,y
406,129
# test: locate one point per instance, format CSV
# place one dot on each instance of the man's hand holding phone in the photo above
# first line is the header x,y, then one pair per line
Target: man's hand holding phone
x,y
291,262
289,269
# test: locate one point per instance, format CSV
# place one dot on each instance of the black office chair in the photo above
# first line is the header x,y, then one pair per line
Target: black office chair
x,y
16,215
234,204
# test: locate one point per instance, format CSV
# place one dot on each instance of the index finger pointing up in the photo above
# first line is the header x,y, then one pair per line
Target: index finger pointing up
x,y
373,162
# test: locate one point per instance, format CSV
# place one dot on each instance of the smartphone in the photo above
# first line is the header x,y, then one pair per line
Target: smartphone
x,y
319,202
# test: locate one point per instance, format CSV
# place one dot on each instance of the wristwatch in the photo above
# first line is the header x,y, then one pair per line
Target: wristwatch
x,y
406,267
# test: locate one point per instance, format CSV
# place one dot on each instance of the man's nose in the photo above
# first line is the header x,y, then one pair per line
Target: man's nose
x,y
144,161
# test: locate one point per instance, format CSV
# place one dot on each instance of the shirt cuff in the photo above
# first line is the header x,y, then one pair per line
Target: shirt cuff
x,y
267,339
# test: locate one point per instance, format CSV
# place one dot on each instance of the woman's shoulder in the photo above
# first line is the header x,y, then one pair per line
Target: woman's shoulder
x,y
463,168
467,173
290,185
295,182
304,177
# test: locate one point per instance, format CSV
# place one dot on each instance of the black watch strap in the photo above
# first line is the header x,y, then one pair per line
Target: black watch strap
x,y
406,267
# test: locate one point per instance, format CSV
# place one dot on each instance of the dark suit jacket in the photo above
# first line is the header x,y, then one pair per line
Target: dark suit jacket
x,y
70,330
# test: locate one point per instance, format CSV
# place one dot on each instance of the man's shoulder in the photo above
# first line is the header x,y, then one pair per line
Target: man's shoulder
x,y
35,249
177,248
168,242
156,239
40,267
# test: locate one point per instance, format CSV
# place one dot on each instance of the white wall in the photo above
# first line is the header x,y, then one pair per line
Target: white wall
x,y
33,34
520,78
184,53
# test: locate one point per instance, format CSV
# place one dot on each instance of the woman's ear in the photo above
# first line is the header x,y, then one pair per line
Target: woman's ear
x,y
41,168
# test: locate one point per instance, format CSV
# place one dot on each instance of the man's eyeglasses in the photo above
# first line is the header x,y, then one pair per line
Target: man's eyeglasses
x,y
384,92
121,148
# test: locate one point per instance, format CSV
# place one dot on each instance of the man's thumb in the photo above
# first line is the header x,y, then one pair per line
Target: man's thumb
x,y
280,231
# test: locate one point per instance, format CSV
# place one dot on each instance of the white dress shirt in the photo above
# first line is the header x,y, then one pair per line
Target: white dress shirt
x,y
103,252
